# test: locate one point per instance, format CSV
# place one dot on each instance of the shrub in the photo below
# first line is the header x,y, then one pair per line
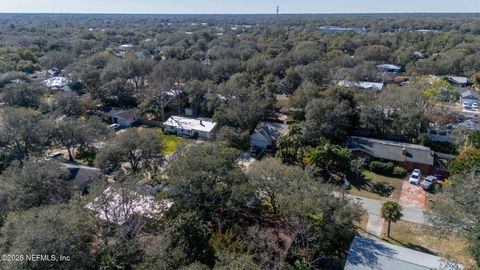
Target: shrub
x,y
399,172
384,168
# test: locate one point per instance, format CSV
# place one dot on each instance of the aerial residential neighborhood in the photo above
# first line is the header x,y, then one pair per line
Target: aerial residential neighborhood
x,y
244,135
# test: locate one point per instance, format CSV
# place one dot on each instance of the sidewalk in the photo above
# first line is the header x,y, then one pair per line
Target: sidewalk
x,y
373,207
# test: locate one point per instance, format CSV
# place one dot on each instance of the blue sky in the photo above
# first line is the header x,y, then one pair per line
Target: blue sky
x,y
237,6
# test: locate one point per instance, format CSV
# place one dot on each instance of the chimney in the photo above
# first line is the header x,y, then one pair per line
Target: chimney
x,y
201,122
404,151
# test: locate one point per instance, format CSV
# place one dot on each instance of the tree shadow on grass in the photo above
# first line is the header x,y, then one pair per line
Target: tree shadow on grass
x,y
380,188
413,246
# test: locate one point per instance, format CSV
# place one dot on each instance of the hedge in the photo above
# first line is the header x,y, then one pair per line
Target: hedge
x,y
387,168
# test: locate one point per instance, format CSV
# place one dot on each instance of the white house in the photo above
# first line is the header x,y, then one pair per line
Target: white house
x,y
119,205
266,134
364,85
190,127
56,82
390,68
124,118
370,254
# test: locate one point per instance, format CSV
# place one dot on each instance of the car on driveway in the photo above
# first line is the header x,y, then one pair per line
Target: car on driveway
x,y
115,127
428,182
415,177
54,155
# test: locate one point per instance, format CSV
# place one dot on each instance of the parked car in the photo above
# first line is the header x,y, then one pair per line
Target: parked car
x,y
54,155
254,151
428,182
466,104
415,177
474,105
115,126
257,153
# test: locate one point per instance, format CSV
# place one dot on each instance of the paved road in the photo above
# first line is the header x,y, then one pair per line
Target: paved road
x,y
410,214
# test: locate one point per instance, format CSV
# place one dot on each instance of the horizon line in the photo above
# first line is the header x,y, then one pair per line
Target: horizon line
x,y
286,13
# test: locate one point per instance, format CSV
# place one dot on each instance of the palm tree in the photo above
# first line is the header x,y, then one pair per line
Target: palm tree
x,y
391,212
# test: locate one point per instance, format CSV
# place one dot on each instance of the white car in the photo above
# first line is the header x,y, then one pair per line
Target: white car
x,y
415,177
54,155
115,127
475,105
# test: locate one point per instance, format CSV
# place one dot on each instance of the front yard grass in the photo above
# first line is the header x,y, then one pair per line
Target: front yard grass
x,y
172,142
426,239
363,186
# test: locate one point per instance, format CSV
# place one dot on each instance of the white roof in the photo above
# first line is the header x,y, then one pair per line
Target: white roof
x,y
461,80
389,66
364,85
117,206
56,82
370,254
199,124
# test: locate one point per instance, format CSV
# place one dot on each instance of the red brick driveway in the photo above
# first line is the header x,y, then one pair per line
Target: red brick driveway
x,y
412,195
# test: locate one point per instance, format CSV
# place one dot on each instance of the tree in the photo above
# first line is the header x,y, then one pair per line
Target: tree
x,y
473,139
23,133
23,95
332,158
457,208
208,179
234,137
134,146
164,88
391,212
270,178
290,148
34,184
467,160
117,92
69,104
327,118
184,241
137,70
49,230
71,133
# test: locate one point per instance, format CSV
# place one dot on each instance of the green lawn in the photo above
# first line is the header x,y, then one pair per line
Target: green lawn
x,y
172,142
365,184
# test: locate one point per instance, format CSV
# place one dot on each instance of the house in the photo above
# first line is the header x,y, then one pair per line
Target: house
x,y
371,254
459,81
469,98
190,127
125,118
56,83
82,176
364,85
336,29
389,68
419,55
266,135
119,205
406,155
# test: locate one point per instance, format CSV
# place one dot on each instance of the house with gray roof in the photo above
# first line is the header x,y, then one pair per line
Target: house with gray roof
x,y
82,176
459,81
406,155
124,118
371,254
469,98
266,134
